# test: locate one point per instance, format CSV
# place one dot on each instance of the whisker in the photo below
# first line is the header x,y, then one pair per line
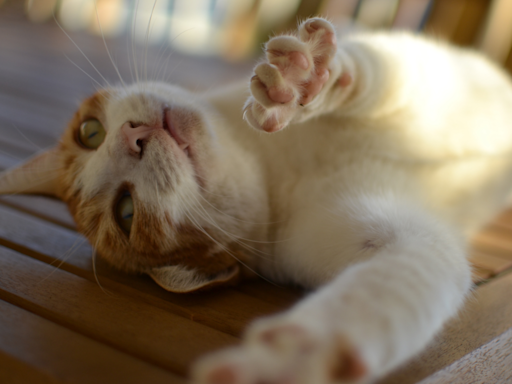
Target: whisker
x,y
234,217
85,72
62,259
95,272
25,137
105,43
80,50
233,237
161,63
229,252
10,155
146,42
134,56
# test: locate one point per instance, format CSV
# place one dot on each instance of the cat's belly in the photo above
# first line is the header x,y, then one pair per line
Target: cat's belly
x,y
317,215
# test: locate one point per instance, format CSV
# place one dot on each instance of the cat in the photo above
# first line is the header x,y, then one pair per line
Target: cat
x,y
388,150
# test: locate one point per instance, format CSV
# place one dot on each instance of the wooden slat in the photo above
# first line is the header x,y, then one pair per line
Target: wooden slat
x,y
479,275
494,240
471,22
14,371
490,262
444,18
497,34
504,218
280,296
11,134
491,363
410,14
56,352
141,329
41,128
47,208
486,315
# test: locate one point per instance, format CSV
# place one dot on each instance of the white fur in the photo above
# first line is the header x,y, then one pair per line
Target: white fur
x,y
373,190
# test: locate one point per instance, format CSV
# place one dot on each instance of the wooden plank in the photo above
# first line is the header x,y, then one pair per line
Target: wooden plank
x,y
497,34
11,151
49,209
471,22
39,127
444,18
491,363
52,351
508,63
14,371
126,323
494,240
281,296
25,143
504,218
226,310
480,274
490,262
410,14
486,315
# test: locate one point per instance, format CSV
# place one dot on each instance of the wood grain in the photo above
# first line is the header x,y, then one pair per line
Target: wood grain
x,y
491,363
486,315
35,344
138,328
14,371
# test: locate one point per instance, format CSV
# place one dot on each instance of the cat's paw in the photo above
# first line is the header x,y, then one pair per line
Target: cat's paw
x,y
278,351
295,71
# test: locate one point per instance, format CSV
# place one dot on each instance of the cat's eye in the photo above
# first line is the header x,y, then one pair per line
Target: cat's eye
x,y
91,134
124,212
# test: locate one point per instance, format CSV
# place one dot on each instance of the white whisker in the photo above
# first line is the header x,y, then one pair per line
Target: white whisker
x,y
105,43
26,138
134,56
224,248
95,272
82,52
85,72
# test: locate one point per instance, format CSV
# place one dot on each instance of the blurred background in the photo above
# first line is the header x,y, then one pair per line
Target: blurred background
x,y
53,53
235,29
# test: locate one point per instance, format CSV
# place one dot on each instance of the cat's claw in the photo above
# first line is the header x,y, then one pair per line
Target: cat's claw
x,y
282,352
295,71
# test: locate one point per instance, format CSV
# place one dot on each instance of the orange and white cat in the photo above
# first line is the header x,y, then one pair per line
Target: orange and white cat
x,y
391,150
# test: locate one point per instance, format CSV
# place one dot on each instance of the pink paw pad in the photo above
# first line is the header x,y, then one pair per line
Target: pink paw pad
x,y
295,72
288,336
222,375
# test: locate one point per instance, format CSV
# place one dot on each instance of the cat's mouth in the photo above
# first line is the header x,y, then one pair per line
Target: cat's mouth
x,y
169,126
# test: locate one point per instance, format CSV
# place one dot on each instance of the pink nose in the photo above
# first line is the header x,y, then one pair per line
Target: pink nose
x,y
136,135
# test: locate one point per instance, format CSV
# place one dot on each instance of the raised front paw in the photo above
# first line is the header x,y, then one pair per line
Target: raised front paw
x,y
295,71
278,351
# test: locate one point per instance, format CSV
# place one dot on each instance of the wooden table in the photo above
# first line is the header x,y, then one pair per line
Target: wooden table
x,y
61,322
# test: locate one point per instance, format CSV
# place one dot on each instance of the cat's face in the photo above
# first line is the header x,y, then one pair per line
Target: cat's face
x,y
152,182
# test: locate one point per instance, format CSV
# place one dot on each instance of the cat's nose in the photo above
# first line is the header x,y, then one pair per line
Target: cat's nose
x,y
135,134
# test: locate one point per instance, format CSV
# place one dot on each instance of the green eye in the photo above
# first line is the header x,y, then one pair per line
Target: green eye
x,y
124,212
91,134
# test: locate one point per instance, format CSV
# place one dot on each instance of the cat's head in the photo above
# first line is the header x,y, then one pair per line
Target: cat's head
x,y
153,181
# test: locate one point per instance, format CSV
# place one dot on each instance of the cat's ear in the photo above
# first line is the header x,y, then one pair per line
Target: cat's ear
x,y
38,175
179,279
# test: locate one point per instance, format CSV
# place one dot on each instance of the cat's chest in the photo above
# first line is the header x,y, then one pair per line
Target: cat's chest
x,y
308,150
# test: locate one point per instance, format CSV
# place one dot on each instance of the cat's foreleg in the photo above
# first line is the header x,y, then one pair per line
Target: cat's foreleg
x,y
370,318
